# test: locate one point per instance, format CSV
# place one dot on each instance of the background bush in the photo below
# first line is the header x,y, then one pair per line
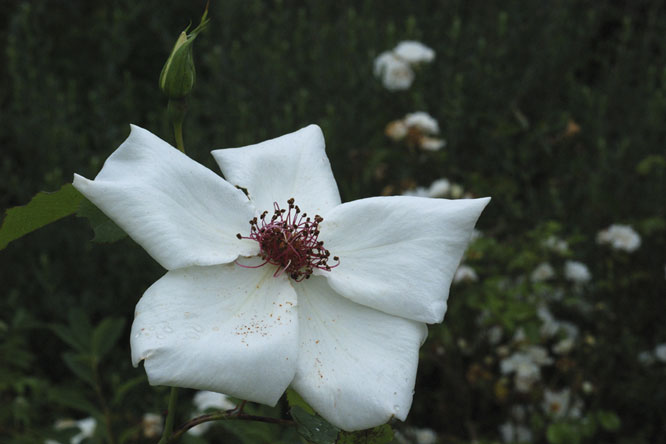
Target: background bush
x,y
555,109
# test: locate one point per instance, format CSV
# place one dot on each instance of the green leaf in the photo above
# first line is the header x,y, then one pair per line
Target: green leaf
x,y
81,366
562,433
80,327
106,335
106,230
294,399
72,398
68,336
125,388
42,209
608,420
379,435
313,428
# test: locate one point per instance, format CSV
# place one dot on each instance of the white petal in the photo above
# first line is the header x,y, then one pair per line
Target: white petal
x,y
356,366
399,254
178,210
222,328
294,165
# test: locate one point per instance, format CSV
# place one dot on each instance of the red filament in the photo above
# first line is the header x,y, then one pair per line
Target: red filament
x,y
289,239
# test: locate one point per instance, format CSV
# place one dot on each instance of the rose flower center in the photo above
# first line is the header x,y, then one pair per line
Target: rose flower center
x,y
289,239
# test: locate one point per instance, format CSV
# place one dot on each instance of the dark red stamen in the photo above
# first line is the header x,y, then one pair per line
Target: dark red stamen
x,y
289,240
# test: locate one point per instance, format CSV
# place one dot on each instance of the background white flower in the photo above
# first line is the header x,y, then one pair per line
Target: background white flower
x,y
577,272
465,273
86,428
620,237
542,272
152,425
396,74
223,319
204,400
414,52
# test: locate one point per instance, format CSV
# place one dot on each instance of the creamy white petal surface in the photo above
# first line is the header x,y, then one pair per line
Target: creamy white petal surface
x,y
399,254
181,212
356,365
294,165
222,328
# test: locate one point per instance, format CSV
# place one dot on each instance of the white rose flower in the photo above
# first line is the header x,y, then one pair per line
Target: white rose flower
x,y
414,52
431,143
334,304
204,400
556,244
396,74
620,237
577,272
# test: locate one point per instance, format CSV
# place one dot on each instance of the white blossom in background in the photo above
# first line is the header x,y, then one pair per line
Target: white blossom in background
x,y
414,52
526,372
495,334
242,312
556,244
152,425
587,387
660,352
620,237
564,346
456,191
543,272
646,357
431,143
515,433
422,121
441,188
465,273
86,428
556,404
204,400
394,67
577,272
395,73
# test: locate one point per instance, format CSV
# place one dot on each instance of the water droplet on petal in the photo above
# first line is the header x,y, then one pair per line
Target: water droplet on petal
x,y
159,336
167,329
396,408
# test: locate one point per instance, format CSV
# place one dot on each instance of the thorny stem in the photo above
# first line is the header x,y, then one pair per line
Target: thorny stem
x,y
228,414
168,423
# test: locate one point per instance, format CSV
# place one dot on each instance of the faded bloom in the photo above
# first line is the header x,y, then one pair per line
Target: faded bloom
x,y
542,272
620,237
417,130
272,282
577,272
152,425
414,52
465,273
396,74
440,188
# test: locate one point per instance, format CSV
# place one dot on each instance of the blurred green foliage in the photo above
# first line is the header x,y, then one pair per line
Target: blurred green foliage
x,y
555,109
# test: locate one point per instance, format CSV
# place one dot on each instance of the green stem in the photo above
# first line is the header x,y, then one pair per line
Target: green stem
x,y
176,110
171,413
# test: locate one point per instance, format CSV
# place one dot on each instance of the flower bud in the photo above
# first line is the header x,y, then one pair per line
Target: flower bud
x,y
178,74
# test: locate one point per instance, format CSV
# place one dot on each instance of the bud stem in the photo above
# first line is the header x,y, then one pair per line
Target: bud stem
x,y
168,423
176,111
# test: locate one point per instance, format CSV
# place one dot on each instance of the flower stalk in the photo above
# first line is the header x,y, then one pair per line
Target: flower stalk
x,y
171,413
